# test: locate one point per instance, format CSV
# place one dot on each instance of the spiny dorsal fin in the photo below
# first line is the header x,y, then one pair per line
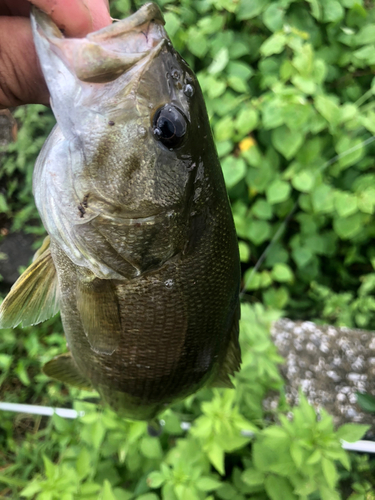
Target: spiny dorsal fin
x,y
64,369
99,311
232,360
34,296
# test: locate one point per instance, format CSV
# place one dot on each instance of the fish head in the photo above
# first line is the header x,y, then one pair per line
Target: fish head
x,y
131,112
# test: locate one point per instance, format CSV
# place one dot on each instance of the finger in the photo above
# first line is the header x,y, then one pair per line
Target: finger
x,y
76,17
21,80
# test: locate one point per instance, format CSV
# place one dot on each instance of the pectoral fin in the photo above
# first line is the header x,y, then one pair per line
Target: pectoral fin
x,y
232,360
64,369
35,295
99,311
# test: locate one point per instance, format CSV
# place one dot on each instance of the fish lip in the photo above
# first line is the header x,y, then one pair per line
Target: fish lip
x,y
106,54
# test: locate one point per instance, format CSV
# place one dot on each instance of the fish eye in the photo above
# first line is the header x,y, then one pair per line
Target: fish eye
x,y
169,126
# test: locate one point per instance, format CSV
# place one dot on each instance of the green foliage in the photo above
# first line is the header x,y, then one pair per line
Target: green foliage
x,y
289,92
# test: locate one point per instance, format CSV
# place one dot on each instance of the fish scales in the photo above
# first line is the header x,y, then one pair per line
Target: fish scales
x,y
142,255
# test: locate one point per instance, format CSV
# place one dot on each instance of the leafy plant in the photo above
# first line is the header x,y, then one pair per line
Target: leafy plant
x,y
290,93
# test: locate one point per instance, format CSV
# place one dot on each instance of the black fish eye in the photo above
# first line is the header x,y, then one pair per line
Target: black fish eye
x,y
169,126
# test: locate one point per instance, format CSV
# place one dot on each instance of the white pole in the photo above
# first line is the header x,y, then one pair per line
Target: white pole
x,y
361,446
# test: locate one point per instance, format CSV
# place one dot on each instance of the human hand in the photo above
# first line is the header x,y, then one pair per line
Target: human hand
x,y
21,79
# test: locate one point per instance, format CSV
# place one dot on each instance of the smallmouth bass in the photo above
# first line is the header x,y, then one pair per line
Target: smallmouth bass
x,y
142,257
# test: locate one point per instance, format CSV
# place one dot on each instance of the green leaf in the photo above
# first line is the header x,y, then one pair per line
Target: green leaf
x,y
322,199
83,463
220,61
345,203
146,496
150,447
248,10
253,477
246,121
274,44
303,181
244,251
234,170
333,11
350,151
31,489
297,454
258,231
348,227
205,483
107,492
352,432
329,471
262,209
273,17
282,273
366,402
366,35
328,108
196,42
155,479
279,488
216,456
278,191
287,141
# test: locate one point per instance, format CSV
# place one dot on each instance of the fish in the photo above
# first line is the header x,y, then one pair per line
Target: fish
x,y
141,257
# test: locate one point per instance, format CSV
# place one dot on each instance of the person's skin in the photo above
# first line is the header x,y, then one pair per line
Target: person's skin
x,y
21,80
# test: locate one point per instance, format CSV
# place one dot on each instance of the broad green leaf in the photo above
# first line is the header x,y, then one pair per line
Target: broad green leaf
x,y
274,44
279,488
205,483
287,141
282,273
216,456
107,492
329,471
220,61
150,447
262,209
366,402
234,170
347,227
328,109
333,11
352,432
278,191
303,181
345,203
253,477
155,479
248,10
322,199
258,231
246,121
273,17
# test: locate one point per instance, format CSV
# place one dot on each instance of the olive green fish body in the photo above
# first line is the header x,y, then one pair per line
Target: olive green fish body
x,y
143,258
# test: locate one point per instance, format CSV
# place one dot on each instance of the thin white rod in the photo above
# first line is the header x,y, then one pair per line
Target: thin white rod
x,y
361,446
364,446
40,410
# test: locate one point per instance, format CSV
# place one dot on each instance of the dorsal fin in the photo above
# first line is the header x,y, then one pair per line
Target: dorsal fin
x,y
34,296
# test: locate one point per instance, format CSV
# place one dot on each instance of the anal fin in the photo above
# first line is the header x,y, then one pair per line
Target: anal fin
x,y
35,295
64,369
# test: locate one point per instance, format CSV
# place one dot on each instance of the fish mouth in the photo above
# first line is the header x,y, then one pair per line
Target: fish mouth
x,y
106,54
